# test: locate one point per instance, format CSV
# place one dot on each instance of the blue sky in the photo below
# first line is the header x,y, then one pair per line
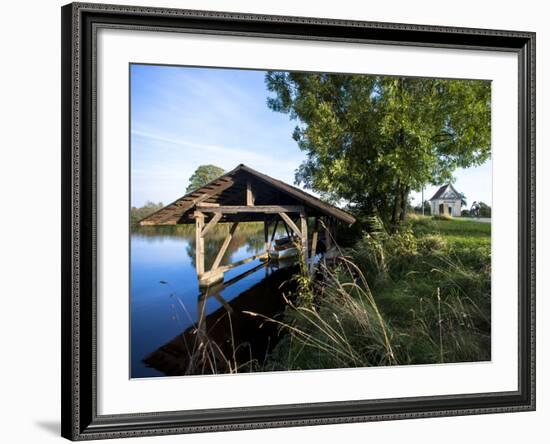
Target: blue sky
x,y
183,117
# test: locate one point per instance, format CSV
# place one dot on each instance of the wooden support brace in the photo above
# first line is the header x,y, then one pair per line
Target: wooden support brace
x,y
291,224
211,224
224,246
274,232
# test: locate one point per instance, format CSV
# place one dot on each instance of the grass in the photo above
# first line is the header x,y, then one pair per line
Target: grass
x,y
418,296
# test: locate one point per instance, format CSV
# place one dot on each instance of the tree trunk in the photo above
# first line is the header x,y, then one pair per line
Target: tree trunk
x,y
396,206
404,200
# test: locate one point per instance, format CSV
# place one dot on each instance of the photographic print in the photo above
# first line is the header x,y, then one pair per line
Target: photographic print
x,y
273,221
288,221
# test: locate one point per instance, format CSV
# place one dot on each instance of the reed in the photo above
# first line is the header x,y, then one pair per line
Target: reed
x,y
416,296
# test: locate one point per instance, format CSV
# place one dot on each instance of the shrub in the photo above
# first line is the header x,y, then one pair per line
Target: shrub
x,y
431,243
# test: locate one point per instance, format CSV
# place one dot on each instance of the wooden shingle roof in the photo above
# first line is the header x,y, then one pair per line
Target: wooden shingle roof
x,y
230,189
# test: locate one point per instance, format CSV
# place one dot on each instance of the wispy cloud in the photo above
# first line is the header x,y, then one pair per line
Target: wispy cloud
x,y
184,117
237,155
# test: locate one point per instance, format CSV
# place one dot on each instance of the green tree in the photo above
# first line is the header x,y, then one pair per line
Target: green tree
x,y
371,140
202,175
484,210
138,213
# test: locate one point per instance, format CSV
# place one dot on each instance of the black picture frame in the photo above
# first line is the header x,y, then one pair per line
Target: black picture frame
x,y
79,390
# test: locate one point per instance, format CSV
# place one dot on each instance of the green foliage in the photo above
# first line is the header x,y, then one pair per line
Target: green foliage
x,y
136,214
370,140
417,296
202,175
342,328
484,210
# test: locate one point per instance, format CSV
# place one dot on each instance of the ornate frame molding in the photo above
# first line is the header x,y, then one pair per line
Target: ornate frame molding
x,y
80,22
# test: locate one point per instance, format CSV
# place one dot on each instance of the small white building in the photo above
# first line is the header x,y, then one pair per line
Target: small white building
x,y
446,202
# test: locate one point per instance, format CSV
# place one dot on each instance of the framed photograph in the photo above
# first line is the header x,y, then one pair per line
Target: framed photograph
x,y
277,221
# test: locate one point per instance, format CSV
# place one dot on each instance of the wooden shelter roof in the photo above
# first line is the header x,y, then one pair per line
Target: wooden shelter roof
x,y
230,190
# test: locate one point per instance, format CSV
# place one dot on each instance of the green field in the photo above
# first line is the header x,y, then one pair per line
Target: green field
x,y
420,295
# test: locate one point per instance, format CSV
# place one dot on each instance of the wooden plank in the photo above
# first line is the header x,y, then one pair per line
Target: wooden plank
x,y
199,243
207,204
291,224
210,193
267,209
249,194
181,205
224,246
211,224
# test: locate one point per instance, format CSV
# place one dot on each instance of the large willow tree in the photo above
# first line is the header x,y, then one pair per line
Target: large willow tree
x,y
371,140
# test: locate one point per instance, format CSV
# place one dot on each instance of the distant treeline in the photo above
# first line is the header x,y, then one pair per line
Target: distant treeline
x,y
136,214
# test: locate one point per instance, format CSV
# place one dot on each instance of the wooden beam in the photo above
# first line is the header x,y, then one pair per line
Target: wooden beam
x,y
291,224
249,194
207,204
224,246
224,268
215,219
267,209
199,243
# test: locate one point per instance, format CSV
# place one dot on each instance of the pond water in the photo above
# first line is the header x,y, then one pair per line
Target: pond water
x,y
166,302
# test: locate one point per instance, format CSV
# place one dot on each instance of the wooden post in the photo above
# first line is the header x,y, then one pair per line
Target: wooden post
x,y
199,243
266,234
249,194
313,245
303,220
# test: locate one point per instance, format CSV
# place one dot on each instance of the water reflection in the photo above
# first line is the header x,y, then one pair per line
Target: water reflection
x,y
229,339
166,300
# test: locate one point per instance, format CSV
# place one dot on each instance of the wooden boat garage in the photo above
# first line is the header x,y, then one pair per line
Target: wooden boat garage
x,y
246,195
